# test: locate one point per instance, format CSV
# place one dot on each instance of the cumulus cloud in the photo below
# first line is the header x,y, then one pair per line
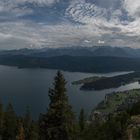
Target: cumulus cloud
x,y
132,7
45,35
111,23
16,8
82,23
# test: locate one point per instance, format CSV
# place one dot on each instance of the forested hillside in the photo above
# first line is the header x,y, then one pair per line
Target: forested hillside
x,y
60,123
73,63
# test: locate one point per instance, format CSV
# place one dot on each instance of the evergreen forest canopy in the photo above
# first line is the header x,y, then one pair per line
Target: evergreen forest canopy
x,y
60,123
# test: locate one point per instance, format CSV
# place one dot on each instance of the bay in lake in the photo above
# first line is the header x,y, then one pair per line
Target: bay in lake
x,y
29,87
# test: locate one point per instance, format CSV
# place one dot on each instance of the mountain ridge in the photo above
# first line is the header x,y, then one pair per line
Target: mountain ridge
x,y
89,64
77,51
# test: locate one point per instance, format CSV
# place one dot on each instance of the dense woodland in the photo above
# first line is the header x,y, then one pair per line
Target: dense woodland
x,y
60,122
99,64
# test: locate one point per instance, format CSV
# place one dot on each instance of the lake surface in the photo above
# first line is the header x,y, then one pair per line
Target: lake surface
x,y
29,87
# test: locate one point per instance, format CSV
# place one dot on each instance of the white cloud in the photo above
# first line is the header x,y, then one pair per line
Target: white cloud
x,y
85,12
101,42
17,8
40,2
132,7
92,24
108,22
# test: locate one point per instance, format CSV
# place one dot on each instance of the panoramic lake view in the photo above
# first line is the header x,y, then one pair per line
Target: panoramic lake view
x,y
69,69
29,87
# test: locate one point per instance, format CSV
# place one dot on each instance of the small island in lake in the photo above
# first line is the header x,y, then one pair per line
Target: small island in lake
x,y
87,80
101,83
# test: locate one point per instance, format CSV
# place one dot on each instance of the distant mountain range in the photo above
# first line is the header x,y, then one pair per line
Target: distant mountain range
x,y
77,51
78,59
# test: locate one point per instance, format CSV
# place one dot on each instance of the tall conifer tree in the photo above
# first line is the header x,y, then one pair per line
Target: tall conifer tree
x,y
82,120
1,120
27,122
21,132
58,123
10,124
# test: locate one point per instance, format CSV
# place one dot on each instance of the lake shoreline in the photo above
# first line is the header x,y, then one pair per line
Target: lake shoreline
x,y
115,103
31,86
102,83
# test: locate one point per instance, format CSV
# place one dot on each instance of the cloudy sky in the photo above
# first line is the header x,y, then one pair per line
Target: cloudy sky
x,y
65,23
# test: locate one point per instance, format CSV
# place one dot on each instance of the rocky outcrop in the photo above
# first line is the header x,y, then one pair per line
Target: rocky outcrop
x,y
134,128
115,103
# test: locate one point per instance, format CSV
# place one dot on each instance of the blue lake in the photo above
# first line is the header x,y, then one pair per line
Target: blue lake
x,y
29,87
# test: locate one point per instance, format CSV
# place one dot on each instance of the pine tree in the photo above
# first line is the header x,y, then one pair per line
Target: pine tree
x,y
21,133
1,120
34,131
10,124
58,122
27,122
82,120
